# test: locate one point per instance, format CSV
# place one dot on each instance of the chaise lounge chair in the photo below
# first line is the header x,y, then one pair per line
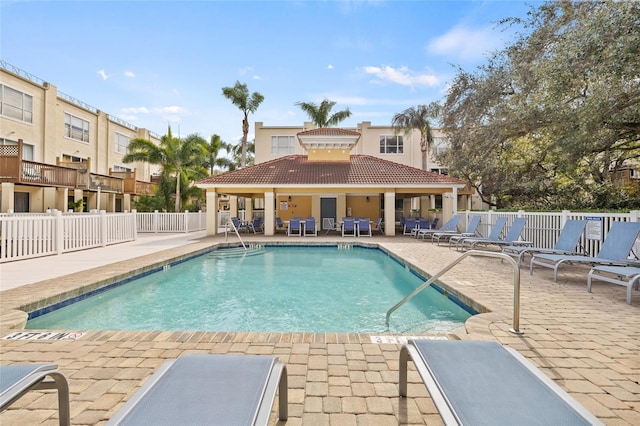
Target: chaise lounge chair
x,y
349,227
448,226
627,276
476,382
330,224
511,238
472,231
496,231
209,389
364,227
614,251
17,380
566,243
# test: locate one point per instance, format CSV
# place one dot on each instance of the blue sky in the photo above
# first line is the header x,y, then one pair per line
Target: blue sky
x,y
160,63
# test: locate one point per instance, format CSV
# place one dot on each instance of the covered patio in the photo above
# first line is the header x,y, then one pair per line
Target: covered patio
x,y
328,182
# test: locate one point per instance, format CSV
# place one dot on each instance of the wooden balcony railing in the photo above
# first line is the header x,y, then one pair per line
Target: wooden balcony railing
x,y
134,186
26,172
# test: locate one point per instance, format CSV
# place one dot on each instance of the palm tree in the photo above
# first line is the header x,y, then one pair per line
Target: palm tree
x,y
319,114
179,158
213,148
417,118
236,151
239,96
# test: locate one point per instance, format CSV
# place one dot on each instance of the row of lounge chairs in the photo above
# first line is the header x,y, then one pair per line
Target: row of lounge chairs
x,y
612,264
470,382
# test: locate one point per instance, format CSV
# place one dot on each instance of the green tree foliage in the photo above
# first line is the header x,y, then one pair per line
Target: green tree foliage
x,y
181,160
236,155
213,151
239,96
418,118
547,119
321,116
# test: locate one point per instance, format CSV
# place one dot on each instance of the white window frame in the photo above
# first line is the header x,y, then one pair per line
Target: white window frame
x,y
391,144
76,128
119,168
120,146
282,145
23,108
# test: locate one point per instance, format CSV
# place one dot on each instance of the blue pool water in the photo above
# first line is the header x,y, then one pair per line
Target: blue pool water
x,y
279,289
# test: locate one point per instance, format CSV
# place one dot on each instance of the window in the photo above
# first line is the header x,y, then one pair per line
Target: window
x,y
76,128
439,146
117,168
282,145
15,104
391,144
122,143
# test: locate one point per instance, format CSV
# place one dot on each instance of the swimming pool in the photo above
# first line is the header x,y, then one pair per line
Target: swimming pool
x,y
277,289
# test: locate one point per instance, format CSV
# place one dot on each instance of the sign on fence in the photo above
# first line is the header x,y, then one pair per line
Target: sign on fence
x,y
593,231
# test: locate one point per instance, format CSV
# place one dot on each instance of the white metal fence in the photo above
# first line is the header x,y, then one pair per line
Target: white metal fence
x,y
543,228
24,235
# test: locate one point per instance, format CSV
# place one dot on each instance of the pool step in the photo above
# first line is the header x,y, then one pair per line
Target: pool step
x,y
237,252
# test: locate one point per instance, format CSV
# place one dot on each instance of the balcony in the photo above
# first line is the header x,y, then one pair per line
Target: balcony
x,y
25,172
134,186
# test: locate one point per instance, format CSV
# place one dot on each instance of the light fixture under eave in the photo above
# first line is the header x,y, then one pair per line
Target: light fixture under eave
x,y
289,198
367,198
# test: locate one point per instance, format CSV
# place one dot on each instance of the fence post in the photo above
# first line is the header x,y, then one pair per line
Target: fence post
x,y
155,221
134,217
59,235
186,221
103,228
564,218
634,216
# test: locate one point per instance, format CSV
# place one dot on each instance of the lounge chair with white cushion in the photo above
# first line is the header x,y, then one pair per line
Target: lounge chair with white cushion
x,y
566,243
614,251
626,276
485,383
17,380
197,389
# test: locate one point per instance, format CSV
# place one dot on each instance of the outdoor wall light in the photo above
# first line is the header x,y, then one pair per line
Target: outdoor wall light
x,y
289,197
367,198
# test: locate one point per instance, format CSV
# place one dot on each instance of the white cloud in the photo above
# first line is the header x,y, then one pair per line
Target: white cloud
x,y
466,44
103,74
129,74
402,76
135,110
256,77
329,67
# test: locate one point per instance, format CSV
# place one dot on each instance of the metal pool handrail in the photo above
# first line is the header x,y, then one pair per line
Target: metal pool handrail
x,y
516,285
226,228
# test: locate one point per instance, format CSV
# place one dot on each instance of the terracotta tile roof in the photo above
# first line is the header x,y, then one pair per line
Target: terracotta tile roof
x,y
361,170
329,131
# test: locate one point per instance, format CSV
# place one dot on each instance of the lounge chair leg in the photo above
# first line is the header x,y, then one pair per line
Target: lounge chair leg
x,y
60,383
402,368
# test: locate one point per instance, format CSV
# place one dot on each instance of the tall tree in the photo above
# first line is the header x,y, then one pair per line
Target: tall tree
x,y
418,118
213,149
319,114
547,119
239,96
178,158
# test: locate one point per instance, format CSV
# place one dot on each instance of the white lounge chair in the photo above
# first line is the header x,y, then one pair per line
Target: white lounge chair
x,y
626,276
209,389
17,380
479,382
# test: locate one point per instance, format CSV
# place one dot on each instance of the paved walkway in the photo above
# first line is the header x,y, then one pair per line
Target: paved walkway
x,y
589,343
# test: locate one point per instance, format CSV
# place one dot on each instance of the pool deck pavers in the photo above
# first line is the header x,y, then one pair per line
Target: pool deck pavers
x,y
588,343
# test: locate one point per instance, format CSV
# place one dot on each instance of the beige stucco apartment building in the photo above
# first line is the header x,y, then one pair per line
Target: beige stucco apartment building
x,y
55,149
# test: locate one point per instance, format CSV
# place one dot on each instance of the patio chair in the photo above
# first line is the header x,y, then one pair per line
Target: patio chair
x,y
481,382
205,389
364,227
566,243
17,380
238,224
410,226
449,225
471,231
614,251
256,225
511,238
379,226
310,227
330,224
626,276
280,225
295,227
421,223
349,227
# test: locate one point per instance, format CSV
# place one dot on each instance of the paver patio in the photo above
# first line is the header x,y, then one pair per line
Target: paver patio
x,y
589,343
